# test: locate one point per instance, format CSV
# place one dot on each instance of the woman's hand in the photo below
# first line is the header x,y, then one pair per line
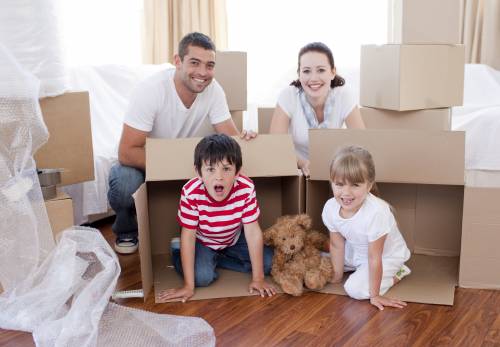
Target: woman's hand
x,y
381,301
303,165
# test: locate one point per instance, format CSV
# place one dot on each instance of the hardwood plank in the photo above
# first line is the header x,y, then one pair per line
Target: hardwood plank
x,y
316,319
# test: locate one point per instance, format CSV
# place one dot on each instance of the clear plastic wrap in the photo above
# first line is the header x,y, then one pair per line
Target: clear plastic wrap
x,y
59,293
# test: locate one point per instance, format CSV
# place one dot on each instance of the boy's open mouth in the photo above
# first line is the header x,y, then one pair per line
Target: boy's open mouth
x,y
219,188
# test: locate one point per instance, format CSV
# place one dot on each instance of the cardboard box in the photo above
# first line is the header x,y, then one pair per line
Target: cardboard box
x,y
231,73
264,115
412,77
426,195
60,212
425,21
431,119
207,128
280,191
479,259
69,146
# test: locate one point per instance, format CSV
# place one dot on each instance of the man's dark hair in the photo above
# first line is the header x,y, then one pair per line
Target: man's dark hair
x,y
215,148
195,39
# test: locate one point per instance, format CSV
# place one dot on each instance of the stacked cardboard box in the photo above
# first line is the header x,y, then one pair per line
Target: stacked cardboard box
x,y
422,67
69,148
231,73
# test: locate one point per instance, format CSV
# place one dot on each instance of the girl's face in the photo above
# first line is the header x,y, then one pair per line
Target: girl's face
x,y
315,74
350,196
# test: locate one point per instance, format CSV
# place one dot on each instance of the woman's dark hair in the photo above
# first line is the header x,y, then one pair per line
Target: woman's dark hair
x,y
214,149
319,47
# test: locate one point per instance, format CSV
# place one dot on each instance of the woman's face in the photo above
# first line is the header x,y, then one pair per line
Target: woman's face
x,y
315,74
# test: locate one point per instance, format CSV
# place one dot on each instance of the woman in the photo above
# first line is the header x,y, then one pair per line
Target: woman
x,y
317,99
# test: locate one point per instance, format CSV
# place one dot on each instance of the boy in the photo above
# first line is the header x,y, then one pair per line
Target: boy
x,y
213,209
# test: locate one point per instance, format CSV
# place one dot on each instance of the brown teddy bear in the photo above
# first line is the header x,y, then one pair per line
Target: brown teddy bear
x,y
297,258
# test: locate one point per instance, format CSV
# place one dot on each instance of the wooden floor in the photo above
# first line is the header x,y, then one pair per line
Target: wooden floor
x,y
321,319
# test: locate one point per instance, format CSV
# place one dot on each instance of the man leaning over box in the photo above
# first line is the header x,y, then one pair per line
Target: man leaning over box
x,y
170,104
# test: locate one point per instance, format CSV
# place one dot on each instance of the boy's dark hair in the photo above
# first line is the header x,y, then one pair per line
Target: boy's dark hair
x,y
319,47
215,148
195,39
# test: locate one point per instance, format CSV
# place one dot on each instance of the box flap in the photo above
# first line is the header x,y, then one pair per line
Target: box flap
x,y
141,207
69,146
231,73
401,156
264,156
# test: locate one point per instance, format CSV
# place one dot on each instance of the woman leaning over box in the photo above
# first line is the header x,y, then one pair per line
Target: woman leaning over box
x,y
317,99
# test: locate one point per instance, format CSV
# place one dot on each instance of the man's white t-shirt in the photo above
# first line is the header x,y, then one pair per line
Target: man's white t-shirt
x,y
372,221
289,101
156,108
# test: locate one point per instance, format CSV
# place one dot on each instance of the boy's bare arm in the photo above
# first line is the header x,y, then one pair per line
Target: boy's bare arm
x,y
253,235
188,241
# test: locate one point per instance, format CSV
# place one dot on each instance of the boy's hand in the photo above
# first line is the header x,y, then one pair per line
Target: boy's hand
x,y
381,301
262,287
248,134
184,293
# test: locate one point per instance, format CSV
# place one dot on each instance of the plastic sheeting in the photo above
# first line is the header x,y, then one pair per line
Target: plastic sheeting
x,y
60,293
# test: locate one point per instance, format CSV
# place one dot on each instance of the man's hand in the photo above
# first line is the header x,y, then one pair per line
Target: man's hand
x,y
380,302
184,293
262,287
248,135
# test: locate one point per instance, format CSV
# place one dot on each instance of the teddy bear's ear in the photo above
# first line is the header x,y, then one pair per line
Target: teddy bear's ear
x,y
304,220
268,235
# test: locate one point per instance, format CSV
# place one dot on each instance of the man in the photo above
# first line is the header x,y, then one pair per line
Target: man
x,y
170,104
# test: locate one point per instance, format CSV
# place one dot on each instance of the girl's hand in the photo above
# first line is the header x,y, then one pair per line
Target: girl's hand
x,y
381,301
184,293
336,278
262,287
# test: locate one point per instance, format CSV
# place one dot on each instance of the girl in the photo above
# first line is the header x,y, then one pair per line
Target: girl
x,y
364,235
317,99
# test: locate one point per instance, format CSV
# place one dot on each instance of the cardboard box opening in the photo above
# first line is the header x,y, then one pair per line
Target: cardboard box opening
x,y
279,186
421,174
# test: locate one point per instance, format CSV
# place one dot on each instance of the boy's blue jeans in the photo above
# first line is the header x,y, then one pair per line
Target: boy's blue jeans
x,y
123,182
234,258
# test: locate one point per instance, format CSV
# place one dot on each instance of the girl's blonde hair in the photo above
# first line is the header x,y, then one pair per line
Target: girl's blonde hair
x,y
353,164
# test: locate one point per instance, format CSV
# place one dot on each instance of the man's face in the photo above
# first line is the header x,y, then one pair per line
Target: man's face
x,y
218,178
197,69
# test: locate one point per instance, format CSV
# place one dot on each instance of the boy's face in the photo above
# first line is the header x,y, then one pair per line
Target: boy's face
x,y
218,178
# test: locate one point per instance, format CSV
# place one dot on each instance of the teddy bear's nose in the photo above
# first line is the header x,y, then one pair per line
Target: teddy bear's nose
x,y
292,247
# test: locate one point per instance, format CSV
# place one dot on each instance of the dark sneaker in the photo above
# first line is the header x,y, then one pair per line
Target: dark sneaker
x,y
175,244
126,246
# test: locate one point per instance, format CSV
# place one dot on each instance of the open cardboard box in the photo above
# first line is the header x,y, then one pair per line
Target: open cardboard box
x,y
421,174
269,160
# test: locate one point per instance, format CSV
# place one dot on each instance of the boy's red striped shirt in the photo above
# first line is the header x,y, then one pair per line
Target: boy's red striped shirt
x,y
218,223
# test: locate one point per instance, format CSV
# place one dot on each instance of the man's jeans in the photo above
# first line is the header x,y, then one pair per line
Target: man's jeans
x,y
123,182
234,258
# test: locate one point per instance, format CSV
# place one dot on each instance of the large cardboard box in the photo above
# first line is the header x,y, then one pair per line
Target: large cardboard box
x,y
479,259
426,194
425,21
60,212
265,115
69,146
412,77
431,119
279,187
231,73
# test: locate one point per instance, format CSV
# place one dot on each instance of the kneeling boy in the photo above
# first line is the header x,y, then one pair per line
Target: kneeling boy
x,y
213,209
